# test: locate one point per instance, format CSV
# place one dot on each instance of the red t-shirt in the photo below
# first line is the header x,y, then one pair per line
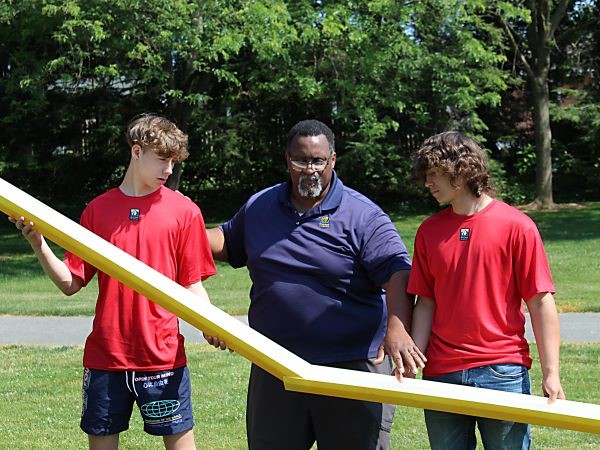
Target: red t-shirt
x,y
166,231
478,269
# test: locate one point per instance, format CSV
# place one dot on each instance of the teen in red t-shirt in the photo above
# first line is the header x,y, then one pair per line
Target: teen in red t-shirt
x,y
135,352
474,263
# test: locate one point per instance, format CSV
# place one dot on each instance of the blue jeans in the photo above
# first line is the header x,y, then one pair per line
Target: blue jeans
x,y
449,431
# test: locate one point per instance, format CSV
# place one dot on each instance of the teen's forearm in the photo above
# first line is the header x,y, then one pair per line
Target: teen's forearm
x,y
56,269
546,329
421,322
199,290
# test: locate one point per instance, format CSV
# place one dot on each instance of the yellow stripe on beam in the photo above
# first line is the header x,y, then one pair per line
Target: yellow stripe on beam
x,y
467,400
297,374
150,283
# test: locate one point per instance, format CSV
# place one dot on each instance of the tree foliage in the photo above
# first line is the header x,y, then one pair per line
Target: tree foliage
x,y
576,108
533,50
237,74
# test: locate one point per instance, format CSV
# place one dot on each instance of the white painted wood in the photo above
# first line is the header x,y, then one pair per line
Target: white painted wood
x,y
150,283
467,400
297,374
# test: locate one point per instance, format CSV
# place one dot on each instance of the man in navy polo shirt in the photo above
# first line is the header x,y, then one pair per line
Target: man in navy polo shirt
x,y
320,255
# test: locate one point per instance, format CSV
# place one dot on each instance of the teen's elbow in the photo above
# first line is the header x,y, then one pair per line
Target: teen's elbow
x,y
70,288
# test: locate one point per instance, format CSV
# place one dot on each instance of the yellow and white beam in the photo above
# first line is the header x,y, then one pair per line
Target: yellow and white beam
x,y
297,374
448,397
150,283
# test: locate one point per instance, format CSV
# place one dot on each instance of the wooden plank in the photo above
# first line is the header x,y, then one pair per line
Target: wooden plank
x,y
150,283
297,374
448,397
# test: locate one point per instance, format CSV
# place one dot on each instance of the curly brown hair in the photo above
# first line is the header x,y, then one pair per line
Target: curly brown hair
x,y
161,135
457,155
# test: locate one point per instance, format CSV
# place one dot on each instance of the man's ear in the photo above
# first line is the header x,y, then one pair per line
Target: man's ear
x,y
333,157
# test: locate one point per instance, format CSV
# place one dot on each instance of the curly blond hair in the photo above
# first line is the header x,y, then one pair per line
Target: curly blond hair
x,y
159,134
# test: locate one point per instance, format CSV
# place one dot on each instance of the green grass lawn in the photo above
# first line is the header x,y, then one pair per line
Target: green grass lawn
x,y
40,401
572,239
40,395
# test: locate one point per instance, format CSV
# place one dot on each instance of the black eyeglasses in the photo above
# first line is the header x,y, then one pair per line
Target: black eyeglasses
x,y
318,164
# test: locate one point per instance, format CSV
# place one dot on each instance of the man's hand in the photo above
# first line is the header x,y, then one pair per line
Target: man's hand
x,y
215,342
407,357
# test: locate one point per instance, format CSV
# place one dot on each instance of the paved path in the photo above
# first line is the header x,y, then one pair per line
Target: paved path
x,y
575,327
56,330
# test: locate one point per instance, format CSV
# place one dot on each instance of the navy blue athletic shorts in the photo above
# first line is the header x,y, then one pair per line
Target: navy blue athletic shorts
x,y
163,397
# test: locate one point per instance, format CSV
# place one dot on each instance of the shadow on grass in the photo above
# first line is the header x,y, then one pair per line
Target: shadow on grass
x,y
16,256
571,225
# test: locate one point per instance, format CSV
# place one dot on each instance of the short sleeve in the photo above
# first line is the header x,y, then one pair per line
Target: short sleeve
x,y
77,266
531,264
421,282
195,259
235,236
383,253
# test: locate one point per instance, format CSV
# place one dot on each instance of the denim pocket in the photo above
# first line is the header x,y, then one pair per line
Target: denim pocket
x,y
507,370
506,377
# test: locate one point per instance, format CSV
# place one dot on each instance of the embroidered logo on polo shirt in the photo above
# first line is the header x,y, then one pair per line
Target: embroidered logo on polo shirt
x,y
465,234
324,222
134,214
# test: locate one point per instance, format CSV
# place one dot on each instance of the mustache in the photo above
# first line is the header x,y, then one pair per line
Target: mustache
x,y
314,178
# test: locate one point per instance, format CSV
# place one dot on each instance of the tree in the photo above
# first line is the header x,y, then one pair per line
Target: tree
x,y
384,74
576,110
534,51
236,74
81,68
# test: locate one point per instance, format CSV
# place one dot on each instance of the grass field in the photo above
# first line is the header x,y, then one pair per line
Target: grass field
x,y
40,395
572,240
571,237
40,401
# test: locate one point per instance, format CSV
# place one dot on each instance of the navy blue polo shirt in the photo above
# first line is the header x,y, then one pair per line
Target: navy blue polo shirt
x,y
316,277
